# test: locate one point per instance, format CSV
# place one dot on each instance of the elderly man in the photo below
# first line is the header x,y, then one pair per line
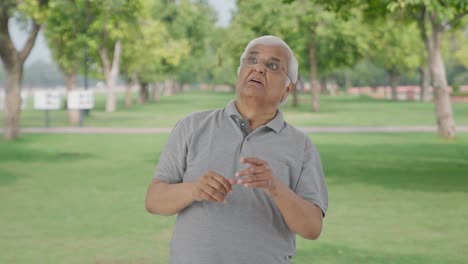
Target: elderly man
x,y
241,180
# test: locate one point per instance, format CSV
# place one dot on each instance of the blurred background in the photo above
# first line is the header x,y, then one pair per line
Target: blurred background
x,y
90,89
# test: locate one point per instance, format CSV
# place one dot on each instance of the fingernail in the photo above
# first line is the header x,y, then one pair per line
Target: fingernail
x,y
237,174
240,181
246,185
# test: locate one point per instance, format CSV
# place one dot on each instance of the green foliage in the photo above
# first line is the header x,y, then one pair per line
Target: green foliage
x,y
444,11
193,22
396,47
339,42
109,21
34,9
365,73
149,47
459,44
66,33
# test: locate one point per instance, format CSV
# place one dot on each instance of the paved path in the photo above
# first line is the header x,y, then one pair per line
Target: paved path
x,y
158,130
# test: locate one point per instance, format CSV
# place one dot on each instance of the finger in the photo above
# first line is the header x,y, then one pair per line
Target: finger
x,y
254,178
252,170
215,194
253,161
258,184
244,172
213,183
205,196
222,180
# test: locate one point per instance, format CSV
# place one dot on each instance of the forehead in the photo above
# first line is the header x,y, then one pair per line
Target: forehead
x,y
270,52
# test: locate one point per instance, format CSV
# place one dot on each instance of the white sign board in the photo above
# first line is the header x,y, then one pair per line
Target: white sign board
x,y
83,99
24,100
47,100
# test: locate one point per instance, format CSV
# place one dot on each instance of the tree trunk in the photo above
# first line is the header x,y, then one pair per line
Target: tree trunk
x,y
425,71
443,105
111,72
144,93
323,86
315,86
394,80
128,93
347,76
130,82
178,87
169,86
13,61
73,114
156,92
424,82
12,109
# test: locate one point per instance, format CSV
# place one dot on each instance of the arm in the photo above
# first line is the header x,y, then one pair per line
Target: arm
x,y
302,217
168,199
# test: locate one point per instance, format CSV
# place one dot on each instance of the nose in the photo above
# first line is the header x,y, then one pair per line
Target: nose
x,y
260,67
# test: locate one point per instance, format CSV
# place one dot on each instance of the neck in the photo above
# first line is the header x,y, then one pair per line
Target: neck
x,y
257,115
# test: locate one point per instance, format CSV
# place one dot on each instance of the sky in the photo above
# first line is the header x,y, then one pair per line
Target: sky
x,y
42,52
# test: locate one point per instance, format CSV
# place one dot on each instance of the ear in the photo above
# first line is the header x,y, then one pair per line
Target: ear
x,y
289,89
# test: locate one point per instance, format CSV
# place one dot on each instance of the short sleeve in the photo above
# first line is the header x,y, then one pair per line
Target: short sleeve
x,y
311,184
172,162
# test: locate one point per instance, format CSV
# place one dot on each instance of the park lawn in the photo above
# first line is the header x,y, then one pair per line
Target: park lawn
x,y
344,110
394,198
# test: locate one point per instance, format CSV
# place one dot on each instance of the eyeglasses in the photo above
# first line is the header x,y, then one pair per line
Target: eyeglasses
x,y
270,65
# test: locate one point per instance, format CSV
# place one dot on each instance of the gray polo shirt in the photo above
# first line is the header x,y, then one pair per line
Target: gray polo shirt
x,y
249,228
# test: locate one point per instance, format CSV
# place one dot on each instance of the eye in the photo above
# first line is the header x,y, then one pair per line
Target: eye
x,y
252,60
272,66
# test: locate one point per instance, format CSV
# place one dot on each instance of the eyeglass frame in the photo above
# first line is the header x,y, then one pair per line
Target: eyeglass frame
x,y
264,62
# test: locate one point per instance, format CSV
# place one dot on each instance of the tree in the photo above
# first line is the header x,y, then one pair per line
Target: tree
x,y
195,22
323,42
329,41
436,17
110,21
32,12
150,48
189,24
65,32
396,48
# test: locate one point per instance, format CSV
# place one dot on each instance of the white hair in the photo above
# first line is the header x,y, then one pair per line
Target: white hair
x,y
274,41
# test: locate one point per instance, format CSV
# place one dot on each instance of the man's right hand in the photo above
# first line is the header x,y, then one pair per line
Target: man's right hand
x,y
211,187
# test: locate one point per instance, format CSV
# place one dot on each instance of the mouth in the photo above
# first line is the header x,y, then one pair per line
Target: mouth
x,y
255,81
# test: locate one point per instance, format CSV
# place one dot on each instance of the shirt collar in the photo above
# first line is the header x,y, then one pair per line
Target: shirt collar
x,y
276,123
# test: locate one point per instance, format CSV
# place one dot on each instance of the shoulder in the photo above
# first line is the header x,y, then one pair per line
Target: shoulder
x,y
194,120
300,138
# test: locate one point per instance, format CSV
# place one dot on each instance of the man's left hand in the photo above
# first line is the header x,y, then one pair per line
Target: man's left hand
x,y
257,175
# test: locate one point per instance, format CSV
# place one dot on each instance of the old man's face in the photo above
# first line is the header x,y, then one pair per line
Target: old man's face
x,y
263,75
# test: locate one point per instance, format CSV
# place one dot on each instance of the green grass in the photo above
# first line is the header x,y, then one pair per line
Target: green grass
x,y
335,111
394,198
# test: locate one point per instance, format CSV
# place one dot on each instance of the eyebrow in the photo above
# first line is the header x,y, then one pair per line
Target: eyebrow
x,y
272,58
